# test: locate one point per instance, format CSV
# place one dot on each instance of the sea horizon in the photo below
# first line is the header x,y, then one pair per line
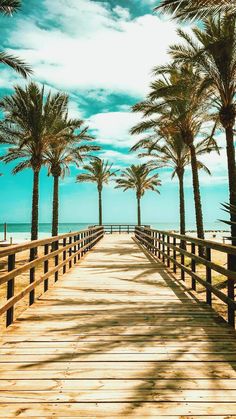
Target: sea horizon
x,y
21,231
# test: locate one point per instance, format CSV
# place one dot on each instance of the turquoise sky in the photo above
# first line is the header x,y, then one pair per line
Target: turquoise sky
x,y
102,54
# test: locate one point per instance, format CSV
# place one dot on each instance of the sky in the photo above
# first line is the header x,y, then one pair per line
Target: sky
x,y
101,53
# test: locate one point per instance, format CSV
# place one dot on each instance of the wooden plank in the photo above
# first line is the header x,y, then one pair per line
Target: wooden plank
x,y
107,385
118,396
145,409
75,356
116,340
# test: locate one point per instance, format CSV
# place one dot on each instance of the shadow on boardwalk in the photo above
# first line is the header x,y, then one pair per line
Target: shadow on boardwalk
x,y
129,319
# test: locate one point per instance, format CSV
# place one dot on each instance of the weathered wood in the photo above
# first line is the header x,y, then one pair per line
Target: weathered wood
x,y
112,410
30,266
36,243
118,337
210,289
10,289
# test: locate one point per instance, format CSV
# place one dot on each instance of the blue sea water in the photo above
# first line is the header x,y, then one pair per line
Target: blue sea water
x,y
44,227
67,227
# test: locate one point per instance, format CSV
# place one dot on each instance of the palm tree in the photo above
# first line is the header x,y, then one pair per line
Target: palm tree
x,y
100,172
29,124
139,178
213,51
176,98
196,9
8,7
69,144
170,151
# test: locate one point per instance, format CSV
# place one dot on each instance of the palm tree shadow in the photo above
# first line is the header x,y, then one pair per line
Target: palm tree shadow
x,y
110,327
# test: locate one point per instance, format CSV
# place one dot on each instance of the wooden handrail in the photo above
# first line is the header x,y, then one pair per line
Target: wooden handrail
x,y
158,242
79,243
120,228
36,243
226,248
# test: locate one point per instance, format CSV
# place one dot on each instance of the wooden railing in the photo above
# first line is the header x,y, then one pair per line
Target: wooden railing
x,y
47,257
119,228
175,248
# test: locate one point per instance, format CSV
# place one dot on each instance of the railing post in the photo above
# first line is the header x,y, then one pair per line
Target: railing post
x,y
10,289
182,259
56,247
64,255
168,251
75,237
193,265
90,233
163,248
155,243
87,241
33,253
81,244
70,252
46,252
149,240
231,295
174,255
208,276
159,246
78,248
152,242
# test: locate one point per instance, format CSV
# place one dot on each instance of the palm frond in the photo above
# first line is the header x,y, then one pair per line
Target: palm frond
x,y
140,178
9,6
16,64
196,9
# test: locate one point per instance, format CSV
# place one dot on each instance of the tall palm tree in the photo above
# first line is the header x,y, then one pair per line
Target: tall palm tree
x,y
8,7
196,9
176,97
30,121
140,178
170,151
213,51
100,172
69,144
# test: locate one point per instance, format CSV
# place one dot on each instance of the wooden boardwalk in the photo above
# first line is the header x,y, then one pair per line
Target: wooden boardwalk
x,y
118,337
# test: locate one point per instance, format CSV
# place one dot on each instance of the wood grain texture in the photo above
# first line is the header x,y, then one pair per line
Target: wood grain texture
x,y
118,337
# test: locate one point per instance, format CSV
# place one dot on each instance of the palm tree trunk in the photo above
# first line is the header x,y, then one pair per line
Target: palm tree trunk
x,y
196,192
35,206
100,206
139,211
181,203
230,149
55,205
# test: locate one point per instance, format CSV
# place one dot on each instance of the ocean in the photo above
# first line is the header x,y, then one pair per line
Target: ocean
x,y
18,232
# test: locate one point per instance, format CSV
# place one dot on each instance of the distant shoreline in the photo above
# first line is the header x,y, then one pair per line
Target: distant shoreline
x,y
18,237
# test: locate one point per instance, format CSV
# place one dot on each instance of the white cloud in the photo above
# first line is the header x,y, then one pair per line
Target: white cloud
x,y
94,47
120,159
113,128
74,111
122,13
